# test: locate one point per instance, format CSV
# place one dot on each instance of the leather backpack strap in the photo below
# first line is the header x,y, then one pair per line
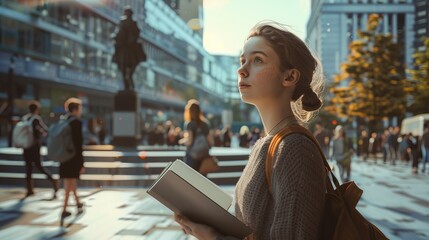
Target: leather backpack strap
x,y
269,160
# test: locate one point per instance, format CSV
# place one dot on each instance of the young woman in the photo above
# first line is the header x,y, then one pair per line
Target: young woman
x,y
70,171
195,124
281,78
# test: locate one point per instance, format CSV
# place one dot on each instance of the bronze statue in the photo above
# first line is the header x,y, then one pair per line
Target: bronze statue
x,y
128,48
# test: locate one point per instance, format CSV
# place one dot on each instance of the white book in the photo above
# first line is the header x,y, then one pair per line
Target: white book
x,y
185,191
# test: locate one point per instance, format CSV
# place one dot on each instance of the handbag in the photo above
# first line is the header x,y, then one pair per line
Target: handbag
x,y
208,165
341,219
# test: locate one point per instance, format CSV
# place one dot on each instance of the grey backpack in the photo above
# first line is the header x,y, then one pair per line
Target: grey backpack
x,y
22,134
60,143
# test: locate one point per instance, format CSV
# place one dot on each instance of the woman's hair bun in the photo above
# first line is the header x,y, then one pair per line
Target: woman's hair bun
x,y
310,101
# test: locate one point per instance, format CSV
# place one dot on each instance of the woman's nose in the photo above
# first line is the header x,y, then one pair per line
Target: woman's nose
x,y
242,72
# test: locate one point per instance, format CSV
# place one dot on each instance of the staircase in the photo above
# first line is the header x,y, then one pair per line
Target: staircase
x,y
106,166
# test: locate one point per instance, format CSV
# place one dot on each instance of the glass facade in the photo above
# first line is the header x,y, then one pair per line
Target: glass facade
x,y
64,49
422,23
334,24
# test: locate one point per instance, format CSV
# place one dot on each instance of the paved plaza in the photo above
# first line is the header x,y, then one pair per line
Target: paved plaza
x,y
394,199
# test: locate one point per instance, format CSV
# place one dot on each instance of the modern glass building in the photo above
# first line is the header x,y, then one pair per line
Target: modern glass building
x,y
334,24
60,49
422,23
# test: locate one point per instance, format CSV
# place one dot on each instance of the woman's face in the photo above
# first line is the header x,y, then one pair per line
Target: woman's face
x,y
259,77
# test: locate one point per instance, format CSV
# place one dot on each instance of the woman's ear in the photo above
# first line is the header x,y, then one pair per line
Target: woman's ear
x,y
291,77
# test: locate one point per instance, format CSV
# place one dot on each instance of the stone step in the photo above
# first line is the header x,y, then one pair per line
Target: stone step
x,y
132,156
106,166
117,168
111,180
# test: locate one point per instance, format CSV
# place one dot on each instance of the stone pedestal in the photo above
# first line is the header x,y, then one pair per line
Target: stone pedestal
x,y
126,119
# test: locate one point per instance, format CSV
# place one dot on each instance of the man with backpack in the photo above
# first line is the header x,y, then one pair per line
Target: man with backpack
x,y
37,130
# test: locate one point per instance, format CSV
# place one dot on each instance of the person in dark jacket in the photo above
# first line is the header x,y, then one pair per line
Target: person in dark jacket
x,y
70,170
227,137
412,151
32,154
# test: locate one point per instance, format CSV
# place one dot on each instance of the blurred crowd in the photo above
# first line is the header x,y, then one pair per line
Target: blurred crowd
x,y
170,134
389,146
392,146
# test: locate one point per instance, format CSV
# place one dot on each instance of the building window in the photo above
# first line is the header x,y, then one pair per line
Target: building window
x,y
421,31
10,33
421,13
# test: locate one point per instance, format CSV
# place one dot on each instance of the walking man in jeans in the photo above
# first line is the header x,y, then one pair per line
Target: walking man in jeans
x,y
32,154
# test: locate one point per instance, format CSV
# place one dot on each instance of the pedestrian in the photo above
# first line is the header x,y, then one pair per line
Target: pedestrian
x,y
254,136
395,142
364,144
217,138
244,136
178,134
196,124
412,151
101,132
227,134
425,147
374,146
71,170
392,140
385,145
342,152
159,134
406,146
322,137
32,154
169,134
281,78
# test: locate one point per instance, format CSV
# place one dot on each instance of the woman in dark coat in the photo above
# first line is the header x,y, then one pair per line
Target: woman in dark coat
x,y
70,170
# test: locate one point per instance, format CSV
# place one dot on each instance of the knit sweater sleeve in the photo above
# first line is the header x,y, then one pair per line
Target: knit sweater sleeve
x,y
297,189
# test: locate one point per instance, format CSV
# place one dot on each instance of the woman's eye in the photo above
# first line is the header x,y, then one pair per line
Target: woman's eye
x,y
257,60
242,62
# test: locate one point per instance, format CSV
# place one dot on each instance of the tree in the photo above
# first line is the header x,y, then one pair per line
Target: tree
x,y
420,80
371,84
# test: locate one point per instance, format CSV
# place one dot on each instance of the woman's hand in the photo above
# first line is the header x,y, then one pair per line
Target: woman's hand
x,y
200,231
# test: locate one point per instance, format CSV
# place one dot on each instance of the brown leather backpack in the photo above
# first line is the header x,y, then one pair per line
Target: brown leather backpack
x,y
341,220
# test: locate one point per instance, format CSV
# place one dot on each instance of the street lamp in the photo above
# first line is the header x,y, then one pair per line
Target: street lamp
x,y
11,96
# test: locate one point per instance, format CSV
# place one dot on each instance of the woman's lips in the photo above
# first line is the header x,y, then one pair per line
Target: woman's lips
x,y
243,85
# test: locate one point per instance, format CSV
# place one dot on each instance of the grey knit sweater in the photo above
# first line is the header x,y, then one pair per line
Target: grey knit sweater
x,y
295,208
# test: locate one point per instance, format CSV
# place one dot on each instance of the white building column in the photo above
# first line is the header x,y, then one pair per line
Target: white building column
x,y
364,21
395,27
355,26
344,43
385,23
409,38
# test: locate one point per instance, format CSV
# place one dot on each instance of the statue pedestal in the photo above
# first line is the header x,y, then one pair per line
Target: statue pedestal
x,y
126,119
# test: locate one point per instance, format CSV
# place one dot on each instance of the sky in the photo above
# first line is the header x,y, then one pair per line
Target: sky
x,y
227,22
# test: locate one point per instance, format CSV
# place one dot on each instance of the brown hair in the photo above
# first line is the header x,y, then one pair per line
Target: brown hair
x,y
294,54
193,112
72,104
33,106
